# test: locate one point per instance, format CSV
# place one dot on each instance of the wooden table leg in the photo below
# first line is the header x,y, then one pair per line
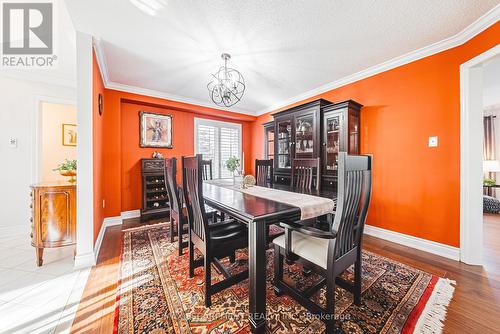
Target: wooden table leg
x,y
257,276
39,256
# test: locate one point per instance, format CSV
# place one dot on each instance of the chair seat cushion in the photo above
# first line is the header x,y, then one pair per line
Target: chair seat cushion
x,y
312,249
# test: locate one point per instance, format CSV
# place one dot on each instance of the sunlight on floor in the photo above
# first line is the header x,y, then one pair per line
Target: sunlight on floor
x,y
36,299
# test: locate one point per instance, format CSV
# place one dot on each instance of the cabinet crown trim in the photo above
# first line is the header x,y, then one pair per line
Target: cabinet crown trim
x,y
320,102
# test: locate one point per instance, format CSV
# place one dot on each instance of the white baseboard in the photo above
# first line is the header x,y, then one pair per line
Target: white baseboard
x,y
112,221
84,260
414,242
107,222
130,214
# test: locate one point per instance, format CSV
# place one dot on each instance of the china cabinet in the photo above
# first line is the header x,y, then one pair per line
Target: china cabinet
x,y
340,134
315,129
269,140
297,135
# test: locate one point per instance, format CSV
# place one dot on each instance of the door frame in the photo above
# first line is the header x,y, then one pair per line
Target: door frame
x,y
471,157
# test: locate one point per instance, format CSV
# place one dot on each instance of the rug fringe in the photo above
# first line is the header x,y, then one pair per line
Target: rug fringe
x,y
432,319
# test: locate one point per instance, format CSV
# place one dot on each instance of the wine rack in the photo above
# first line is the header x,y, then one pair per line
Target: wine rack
x,y
155,203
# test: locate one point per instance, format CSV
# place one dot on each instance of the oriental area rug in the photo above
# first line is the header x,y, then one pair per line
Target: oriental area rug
x,y
157,296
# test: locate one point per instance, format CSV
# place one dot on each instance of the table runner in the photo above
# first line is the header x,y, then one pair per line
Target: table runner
x,y
310,206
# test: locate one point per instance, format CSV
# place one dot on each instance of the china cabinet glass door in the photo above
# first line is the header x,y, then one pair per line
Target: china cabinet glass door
x,y
284,142
304,136
332,141
353,134
270,143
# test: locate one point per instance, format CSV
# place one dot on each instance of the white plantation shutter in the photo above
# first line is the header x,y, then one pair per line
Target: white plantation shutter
x,y
217,141
229,146
206,145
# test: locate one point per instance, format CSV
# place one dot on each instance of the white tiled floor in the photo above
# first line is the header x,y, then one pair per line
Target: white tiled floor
x,y
36,299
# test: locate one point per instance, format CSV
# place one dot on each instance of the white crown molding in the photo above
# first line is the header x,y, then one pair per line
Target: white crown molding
x,y
172,97
107,222
414,242
469,32
101,61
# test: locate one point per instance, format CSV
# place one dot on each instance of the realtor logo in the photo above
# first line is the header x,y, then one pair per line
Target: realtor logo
x,y
27,30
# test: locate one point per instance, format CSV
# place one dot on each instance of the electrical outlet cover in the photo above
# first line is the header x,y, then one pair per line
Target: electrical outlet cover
x,y
433,141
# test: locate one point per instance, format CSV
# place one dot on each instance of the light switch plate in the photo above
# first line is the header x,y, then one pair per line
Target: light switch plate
x,y
13,142
433,141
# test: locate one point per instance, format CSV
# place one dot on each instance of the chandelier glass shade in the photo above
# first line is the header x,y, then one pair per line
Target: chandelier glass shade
x,y
227,85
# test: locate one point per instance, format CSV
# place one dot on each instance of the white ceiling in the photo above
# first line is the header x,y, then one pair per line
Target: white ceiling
x,y
282,47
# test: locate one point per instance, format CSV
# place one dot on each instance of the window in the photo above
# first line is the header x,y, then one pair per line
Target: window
x,y
217,141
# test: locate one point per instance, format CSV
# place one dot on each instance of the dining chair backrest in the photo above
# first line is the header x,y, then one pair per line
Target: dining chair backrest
x,y
192,183
303,173
264,172
206,169
353,199
171,183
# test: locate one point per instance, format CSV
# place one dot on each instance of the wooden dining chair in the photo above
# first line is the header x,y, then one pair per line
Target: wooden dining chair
x,y
329,253
178,213
303,174
207,169
264,172
214,241
178,219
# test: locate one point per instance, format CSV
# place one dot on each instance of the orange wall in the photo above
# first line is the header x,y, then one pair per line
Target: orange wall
x,y
98,144
120,142
416,189
183,144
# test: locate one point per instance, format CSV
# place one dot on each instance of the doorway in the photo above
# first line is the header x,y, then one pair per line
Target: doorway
x,y
58,139
48,146
472,74
55,143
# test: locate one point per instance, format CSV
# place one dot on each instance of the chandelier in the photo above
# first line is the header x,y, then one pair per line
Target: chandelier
x,y
227,85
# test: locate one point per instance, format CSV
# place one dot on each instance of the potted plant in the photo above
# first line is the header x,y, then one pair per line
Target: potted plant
x,y
232,165
68,168
489,182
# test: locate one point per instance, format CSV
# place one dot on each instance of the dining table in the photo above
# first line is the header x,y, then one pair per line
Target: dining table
x,y
257,213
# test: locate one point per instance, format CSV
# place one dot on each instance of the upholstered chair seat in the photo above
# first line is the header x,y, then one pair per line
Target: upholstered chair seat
x,y
312,249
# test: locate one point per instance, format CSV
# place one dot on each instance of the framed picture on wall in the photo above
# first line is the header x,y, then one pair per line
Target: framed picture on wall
x,y
155,130
69,134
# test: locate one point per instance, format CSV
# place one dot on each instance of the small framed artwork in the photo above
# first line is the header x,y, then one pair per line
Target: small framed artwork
x,y
69,134
155,130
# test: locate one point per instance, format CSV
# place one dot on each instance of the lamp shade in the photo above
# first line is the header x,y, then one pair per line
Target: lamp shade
x,y
491,166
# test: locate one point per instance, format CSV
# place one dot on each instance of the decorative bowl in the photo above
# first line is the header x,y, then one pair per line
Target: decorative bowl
x,y
69,173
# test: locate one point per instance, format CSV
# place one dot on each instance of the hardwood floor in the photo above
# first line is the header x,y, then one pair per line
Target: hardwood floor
x,y
97,307
475,307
